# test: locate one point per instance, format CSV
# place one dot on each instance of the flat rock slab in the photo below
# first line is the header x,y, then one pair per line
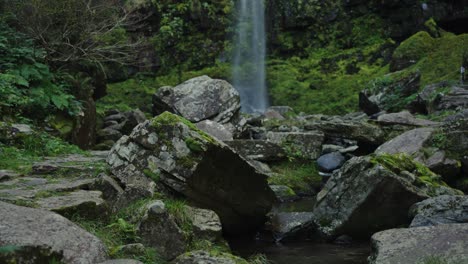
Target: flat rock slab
x,y
405,118
416,245
84,202
260,150
308,144
444,209
37,232
409,142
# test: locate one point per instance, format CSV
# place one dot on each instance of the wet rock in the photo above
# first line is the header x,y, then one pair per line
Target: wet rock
x,y
38,232
198,257
159,230
444,209
368,195
198,99
215,129
284,193
306,144
291,226
88,203
419,244
175,154
206,223
330,162
404,118
260,150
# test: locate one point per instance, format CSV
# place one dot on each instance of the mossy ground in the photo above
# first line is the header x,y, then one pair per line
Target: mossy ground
x,y
301,177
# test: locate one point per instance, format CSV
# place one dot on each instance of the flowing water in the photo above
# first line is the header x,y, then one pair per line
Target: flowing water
x,y
249,75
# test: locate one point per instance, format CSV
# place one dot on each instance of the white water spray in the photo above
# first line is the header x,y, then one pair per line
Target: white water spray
x,y
249,56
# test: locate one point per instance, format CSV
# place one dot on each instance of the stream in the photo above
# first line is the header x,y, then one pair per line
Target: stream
x,y
302,252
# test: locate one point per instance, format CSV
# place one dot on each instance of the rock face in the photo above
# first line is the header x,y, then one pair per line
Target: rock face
x,y
371,194
419,244
171,151
206,223
39,235
404,118
444,209
215,130
198,99
291,225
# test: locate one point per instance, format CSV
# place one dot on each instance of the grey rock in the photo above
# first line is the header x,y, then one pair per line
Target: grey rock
x,y
410,142
292,225
215,130
308,144
329,148
121,261
110,123
272,114
418,244
260,150
444,209
22,129
109,187
439,163
108,134
357,130
206,223
362,198
132,249
132,118
158,229
198,99
6,175
330,162
456,98
118,117
204,257
282,110
260,166
284,193
41,232
404,118
188,161
89,203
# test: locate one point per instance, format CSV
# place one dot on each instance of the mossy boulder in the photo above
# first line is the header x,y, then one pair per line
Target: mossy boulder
x,y
374,193
411,50
172,153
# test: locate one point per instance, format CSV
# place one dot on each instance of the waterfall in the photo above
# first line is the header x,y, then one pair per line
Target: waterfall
x,y
249,75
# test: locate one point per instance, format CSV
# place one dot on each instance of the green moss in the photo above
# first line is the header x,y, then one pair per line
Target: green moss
x,y
152,175
194,145
398,163
300,177
178,208
415,47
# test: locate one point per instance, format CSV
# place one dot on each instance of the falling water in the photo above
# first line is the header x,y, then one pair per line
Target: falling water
x,y
249,56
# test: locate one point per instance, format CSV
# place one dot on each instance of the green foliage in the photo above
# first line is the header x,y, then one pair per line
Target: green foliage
x,y
27,85
191,32
178,209
302,177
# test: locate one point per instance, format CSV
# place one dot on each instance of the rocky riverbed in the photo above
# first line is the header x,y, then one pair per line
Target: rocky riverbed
x,y
189,184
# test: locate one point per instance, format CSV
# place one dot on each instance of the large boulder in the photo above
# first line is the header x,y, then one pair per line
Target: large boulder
x,y
370,194
176,155
441,244
198,99
411,142
444,209
39,236
204,257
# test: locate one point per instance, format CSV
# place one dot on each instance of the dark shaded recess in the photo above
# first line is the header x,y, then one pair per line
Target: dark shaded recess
x,y
457,26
